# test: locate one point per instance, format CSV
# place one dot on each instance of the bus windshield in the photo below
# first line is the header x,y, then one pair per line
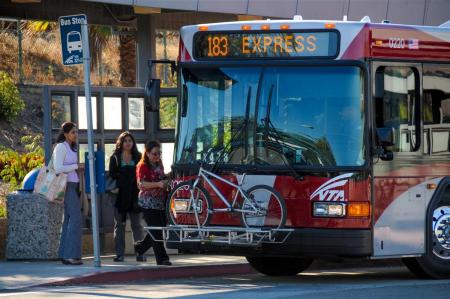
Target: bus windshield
x,y
293,116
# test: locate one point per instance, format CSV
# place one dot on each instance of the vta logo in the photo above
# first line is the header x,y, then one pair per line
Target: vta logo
x,y
326,191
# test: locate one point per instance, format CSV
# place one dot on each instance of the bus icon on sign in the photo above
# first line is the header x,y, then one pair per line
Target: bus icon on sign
x,y
74,42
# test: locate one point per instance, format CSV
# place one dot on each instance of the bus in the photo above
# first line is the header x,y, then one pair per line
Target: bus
x,y
348,120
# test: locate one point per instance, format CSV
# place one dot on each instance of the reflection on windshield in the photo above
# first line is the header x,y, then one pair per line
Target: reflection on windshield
x,y
296,116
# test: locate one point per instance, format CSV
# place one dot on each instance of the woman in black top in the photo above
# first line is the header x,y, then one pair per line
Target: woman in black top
x,y
122,167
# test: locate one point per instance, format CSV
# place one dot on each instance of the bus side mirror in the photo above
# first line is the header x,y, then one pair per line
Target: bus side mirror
x,y
385,136
152,94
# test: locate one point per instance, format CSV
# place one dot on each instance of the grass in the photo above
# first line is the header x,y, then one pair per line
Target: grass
x,y
42,63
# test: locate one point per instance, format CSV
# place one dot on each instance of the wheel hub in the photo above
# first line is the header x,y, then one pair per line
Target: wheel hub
x,y
441,230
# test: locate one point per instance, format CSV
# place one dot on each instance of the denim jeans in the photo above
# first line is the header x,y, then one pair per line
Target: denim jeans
x,y
70,243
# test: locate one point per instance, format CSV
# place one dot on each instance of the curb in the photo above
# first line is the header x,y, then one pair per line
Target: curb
x,y
155,273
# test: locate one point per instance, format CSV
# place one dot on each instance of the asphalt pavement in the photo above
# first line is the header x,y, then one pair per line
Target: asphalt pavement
x,y
345,283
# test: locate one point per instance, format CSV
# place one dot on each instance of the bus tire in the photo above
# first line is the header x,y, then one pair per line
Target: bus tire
x,y
435,263
278,266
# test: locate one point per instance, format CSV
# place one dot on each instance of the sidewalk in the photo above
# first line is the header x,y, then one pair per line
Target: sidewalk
x,y
23,274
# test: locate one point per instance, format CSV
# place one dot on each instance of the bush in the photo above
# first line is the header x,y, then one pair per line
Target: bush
x,y
11,104
15,166
2,209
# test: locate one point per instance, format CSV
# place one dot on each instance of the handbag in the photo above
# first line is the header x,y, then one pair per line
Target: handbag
x,y
50,184
111,184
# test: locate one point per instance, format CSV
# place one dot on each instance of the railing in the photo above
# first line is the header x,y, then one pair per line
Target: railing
x,y
219,235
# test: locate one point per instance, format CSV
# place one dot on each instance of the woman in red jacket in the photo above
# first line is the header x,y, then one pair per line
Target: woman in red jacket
x,y
152,199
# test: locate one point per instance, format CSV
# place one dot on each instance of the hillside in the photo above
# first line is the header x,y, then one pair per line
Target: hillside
x,y
41,65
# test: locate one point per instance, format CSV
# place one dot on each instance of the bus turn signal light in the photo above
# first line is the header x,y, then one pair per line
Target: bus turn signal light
x,y
358,210
330,25
265,27
431,186
203,28
246,27
284,27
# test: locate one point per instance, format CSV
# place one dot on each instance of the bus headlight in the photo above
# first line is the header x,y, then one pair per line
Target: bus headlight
x,y
328,209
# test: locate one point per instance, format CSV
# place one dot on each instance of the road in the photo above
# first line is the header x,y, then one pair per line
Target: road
x,y
378,282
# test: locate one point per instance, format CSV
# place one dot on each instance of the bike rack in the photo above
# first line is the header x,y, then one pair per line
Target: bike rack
x,y
220,235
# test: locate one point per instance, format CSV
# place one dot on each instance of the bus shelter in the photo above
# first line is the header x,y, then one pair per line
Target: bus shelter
x,y
114,110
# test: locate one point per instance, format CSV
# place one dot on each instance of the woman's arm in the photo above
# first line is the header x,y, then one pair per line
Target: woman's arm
x,y
59,154
114,167
143,175
143,185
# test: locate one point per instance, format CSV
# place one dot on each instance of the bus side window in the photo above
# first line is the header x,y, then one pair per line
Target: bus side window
x,y
436,109
396,106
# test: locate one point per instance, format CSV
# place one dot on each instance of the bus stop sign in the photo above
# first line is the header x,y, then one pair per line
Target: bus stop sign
x,y
71,41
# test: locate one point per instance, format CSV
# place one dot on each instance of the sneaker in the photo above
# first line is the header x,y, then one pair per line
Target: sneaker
x,y
164,263
140,258
118,258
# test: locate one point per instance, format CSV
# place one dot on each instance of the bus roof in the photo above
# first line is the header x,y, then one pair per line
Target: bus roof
x,y
358,40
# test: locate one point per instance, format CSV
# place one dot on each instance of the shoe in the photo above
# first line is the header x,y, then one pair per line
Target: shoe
x,y
140,258
137,246
164,263
118,258
72,262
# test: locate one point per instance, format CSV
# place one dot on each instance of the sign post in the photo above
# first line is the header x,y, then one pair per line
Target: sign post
x,y
75,50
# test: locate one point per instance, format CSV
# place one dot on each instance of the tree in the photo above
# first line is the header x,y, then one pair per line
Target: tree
x,y
11,104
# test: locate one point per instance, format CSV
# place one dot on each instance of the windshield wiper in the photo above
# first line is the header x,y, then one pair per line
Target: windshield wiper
x,y
245,123
267,121
255,125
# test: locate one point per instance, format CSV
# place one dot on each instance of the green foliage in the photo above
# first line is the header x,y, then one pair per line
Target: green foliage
x,y
167,113
33,144
14,166
2,209
11,104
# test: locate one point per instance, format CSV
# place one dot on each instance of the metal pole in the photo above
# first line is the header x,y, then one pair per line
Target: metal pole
x,y
87,93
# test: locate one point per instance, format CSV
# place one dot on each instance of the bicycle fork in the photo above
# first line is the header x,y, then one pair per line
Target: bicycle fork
x,y
195,201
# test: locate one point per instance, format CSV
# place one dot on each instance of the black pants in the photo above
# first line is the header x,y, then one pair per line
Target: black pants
x,y
153,218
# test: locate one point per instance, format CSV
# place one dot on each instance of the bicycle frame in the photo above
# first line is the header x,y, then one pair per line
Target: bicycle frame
x,y
203,174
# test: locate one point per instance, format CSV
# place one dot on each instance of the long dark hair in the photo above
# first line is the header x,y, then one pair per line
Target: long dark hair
x,y
65,129
148,148
119,147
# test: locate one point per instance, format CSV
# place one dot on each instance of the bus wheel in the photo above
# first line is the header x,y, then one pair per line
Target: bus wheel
x,y
279,266
436,262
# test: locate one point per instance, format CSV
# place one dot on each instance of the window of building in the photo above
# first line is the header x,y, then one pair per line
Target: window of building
x,y
82,113
60,110
136,113
112,113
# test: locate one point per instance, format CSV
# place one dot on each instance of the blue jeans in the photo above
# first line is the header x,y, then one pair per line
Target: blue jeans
x,y
70,243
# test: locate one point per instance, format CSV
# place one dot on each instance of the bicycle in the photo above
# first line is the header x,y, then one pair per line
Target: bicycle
x,y
190,203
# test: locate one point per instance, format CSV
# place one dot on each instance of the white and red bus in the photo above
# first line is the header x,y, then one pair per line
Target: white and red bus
x,y
362,150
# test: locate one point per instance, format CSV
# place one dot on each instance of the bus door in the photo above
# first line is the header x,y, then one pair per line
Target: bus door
x,y
399,191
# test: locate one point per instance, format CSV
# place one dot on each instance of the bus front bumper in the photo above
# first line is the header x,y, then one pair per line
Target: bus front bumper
x,y
312,242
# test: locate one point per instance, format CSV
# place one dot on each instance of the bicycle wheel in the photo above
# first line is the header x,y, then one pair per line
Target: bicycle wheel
x,y
180,210
270,208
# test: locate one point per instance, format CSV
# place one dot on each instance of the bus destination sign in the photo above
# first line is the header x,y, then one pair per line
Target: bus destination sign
x,y
257,45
